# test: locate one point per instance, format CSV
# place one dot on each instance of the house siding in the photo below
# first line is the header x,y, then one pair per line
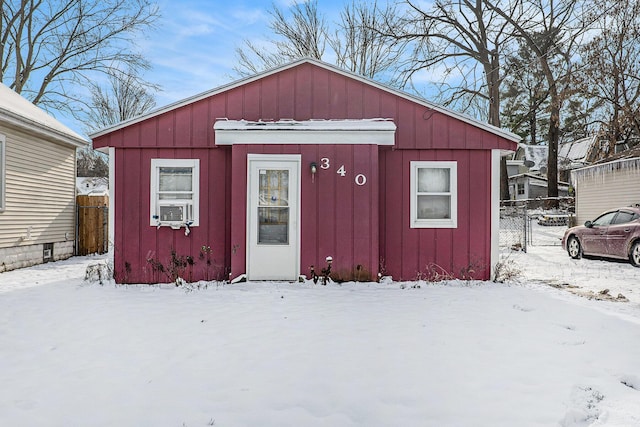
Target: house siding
x,y
426,253
607,189
366,226
39,200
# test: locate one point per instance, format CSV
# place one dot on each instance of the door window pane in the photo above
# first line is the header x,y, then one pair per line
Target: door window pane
x,y
273,207
273,226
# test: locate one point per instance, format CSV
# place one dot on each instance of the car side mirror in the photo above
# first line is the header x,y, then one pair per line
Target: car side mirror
x,y
588,224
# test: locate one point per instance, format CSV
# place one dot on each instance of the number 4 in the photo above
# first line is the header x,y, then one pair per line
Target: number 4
x,y
341,171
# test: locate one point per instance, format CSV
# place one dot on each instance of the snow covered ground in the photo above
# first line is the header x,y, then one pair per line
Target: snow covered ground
x,y
524,353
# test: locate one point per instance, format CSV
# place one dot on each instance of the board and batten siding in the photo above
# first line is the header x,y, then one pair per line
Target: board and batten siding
x,y
355,224
40,191
607,186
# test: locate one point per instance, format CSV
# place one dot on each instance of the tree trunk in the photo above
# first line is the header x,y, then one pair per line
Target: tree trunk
x,y
552,159
493,81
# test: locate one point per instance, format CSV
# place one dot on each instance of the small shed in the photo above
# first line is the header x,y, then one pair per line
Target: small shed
x,y
37,184
528,186
267,176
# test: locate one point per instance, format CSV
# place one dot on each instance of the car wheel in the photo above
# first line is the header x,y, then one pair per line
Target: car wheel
x,y
574,248
634,255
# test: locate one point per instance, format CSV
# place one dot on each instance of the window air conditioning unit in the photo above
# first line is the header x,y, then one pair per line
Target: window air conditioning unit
x,y
171,212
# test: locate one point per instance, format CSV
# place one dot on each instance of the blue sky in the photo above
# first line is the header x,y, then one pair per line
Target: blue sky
x,y
193,47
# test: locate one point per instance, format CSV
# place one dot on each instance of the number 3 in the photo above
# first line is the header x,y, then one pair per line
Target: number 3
x,y
325,163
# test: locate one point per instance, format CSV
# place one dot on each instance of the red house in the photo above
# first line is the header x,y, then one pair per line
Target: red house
x,y
269,175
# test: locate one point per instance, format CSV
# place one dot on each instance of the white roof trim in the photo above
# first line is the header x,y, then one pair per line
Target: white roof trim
x,y
19,112
462,117
368,131
609,166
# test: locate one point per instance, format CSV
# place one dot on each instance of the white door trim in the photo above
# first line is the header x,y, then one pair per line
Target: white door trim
x,y
295,160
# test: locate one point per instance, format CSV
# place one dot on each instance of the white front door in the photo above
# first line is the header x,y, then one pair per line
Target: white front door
x,y
273,217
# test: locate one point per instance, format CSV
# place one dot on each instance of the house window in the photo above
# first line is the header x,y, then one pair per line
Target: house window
x,y
2,171
520,189
434,194
175,192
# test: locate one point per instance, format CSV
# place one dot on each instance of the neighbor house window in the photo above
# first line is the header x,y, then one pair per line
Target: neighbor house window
x,y
434,194
520,189
2,172
175,192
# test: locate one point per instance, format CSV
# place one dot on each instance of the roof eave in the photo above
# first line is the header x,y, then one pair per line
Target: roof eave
x,y
462,117
19,121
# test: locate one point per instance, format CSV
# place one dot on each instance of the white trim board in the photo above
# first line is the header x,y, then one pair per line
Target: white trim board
x,y
368,131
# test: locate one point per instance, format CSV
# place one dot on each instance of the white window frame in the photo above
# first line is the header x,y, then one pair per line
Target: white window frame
x,y
154,210
3,172
452,167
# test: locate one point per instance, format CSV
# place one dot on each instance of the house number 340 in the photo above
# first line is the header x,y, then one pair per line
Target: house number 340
x,y
360,179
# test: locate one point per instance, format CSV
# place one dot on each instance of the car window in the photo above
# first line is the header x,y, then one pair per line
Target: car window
x,y
604,220
623,217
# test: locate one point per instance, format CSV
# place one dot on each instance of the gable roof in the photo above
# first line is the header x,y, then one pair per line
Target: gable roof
x,y
16,110
535,153
576,153
462,117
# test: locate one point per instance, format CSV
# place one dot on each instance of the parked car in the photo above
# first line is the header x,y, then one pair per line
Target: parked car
x,y
614,234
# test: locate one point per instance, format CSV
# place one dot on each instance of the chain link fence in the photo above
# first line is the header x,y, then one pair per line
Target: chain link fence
x,y
535,222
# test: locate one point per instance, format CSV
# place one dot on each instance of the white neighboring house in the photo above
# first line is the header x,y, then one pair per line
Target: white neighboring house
x,y
527,171
530,186
92,186
37,184
607,185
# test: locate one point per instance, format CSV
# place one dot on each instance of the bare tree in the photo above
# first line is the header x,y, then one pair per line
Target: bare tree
x,y
611,71
47,44
355,43
465,40
301,34
359,45
91,163
125,96
553,31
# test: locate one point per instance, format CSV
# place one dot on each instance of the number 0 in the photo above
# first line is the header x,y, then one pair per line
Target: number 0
x,y
361,179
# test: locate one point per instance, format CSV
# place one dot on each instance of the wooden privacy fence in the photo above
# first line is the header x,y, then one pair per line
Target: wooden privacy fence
x,y
92,224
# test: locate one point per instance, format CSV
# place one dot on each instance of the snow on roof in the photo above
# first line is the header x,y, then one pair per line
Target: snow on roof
x,y
630,165
378,131
364,124
537,154
19,111
95,186
576,151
